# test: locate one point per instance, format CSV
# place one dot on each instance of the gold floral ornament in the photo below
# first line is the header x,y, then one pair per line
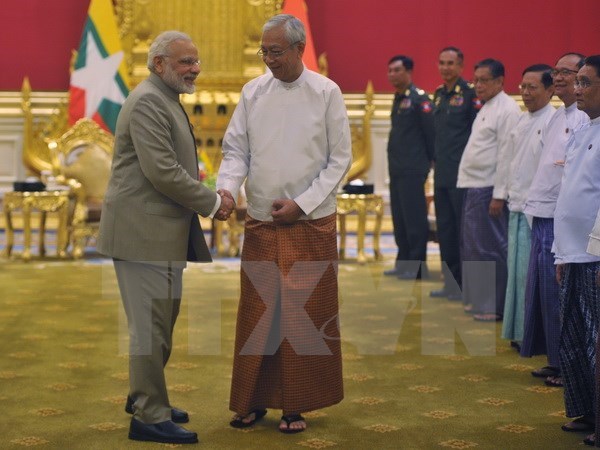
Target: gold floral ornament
x,y
542,389
458,443
474,378
317,443
359,377
47,412
351,357
22,355
8,375
72,365
519,367
368,401
409,366
81,346
456,357
30,441
424,389
121,376
35,337
562,414
107,426
381,428
494,401
115,399
439,414
514,428
61,387
314,414
183,388
183,365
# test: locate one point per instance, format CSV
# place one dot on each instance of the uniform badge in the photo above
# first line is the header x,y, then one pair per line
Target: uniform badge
x,y
477,104
457,100
405,103
426,107
437,101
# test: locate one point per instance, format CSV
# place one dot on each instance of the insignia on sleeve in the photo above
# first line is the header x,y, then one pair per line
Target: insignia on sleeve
x,y
426,107
477,103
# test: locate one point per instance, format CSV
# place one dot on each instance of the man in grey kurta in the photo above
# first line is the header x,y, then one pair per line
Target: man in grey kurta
x,y
150,227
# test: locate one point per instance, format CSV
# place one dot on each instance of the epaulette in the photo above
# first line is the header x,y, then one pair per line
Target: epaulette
x,y
471,85
420,91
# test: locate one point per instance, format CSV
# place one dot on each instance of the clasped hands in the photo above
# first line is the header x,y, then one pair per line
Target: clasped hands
x,y
227,205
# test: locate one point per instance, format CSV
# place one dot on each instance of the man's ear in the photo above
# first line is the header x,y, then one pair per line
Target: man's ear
x,y
301,47
159,62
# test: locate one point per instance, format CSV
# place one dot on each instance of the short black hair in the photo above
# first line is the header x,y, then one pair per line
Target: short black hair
x,y
593,61
458,51
407,61
579,55
495,66
545,70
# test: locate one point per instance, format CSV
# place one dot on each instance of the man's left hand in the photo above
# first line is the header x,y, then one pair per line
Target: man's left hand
x,y
496,207
285,211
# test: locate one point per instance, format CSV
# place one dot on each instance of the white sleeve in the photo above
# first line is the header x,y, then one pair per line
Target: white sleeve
x,y
339,153
506,123
236,152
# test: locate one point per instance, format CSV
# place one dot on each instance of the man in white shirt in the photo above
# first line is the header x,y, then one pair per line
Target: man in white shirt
x,y
542,323
483,171
576,210
536,90
289,140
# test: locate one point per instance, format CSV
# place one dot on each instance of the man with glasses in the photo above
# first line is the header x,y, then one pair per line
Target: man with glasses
x,y
410,155
456,106
483,171
149,226
578,257
289,140
536,91
541,328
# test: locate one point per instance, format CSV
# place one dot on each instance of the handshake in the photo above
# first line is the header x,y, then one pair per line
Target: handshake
x,y
227,205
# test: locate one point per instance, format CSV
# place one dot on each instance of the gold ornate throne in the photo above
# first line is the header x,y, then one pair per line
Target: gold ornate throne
x,y
81,159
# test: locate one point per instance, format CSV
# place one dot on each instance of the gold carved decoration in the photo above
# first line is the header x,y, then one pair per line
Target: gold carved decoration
x,y
227,33
362,151
36,154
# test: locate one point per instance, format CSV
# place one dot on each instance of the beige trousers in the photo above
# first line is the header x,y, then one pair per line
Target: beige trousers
x,y
151,296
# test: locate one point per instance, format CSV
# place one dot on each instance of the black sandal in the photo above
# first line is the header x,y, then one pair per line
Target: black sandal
x,y
289,419
239,421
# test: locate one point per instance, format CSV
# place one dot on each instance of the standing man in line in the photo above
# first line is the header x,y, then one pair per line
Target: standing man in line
x,y
542,323
289,140
149,226
410,156
536,91
456,106
578,257
483,171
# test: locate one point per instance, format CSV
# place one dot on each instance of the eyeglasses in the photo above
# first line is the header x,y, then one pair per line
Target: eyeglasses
x,y
584,84
563,72
189,62
263,52
528,87
482,80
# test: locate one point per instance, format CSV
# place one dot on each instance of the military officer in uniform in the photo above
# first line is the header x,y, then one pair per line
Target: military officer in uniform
x,y
410,155
456,106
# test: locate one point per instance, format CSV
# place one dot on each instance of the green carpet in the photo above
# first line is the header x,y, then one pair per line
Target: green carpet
x,y
419,373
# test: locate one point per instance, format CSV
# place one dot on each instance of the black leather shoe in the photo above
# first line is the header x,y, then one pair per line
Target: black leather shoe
x,y
177,415
166,432
438,293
